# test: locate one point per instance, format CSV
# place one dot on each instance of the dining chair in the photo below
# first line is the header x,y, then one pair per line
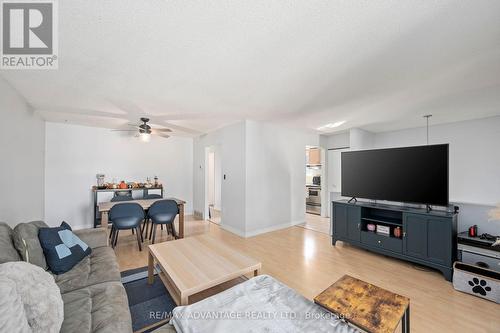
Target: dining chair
x,y
163,212
125,216
145,225
120,198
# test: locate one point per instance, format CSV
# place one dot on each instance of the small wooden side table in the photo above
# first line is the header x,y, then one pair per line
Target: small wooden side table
x,y
366,306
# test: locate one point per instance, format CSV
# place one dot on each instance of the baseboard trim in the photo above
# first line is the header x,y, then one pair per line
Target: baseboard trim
x,y
272,228
233,230
260,231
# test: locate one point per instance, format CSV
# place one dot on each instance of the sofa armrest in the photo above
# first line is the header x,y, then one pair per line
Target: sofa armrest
x,y
97,237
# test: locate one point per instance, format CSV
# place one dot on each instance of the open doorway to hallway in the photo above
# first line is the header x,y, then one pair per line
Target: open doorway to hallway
x,y
213,184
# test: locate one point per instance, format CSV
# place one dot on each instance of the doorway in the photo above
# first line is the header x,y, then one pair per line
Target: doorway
x,y
213,184
313,180
316,196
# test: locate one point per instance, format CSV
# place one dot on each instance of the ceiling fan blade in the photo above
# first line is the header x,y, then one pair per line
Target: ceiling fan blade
x,y
161,134
122,130
162,129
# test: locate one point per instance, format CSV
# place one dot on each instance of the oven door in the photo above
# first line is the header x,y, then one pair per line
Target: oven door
x,y
313,209
314,195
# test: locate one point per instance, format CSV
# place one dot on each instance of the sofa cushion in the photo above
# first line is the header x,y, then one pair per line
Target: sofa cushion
x,y
101,308
26,242
7,250
100,266
95,237
62,248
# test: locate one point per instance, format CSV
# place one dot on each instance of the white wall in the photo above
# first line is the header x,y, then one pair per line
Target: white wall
x,y
75,154
360,139
231,141
474,164
474,156
264,166
275,176
22,140
335,141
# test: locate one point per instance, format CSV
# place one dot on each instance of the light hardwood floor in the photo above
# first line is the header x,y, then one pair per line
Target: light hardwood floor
x,y
316,223
306,261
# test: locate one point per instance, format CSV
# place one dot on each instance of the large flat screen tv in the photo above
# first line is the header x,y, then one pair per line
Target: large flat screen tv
x,y
410,174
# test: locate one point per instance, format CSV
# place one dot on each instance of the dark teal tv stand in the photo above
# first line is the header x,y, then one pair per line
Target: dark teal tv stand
x,y
427,237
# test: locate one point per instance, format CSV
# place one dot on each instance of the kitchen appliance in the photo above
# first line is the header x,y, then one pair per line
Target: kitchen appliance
x,y
411,174
313,199
317,180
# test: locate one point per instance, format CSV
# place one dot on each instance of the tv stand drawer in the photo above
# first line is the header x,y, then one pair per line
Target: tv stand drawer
x,y
384,242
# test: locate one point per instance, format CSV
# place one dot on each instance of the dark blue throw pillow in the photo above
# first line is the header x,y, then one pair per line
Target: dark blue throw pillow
x,y
62,248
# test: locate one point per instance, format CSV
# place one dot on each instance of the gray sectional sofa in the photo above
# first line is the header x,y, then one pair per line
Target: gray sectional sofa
x,y
93,295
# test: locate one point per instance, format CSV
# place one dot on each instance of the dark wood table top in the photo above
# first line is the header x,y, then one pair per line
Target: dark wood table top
x,y
367,306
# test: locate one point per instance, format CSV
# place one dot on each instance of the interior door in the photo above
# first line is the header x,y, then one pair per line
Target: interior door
x,y
415,235
334,178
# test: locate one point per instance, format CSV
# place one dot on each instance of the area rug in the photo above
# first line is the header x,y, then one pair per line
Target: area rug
x,y
150,305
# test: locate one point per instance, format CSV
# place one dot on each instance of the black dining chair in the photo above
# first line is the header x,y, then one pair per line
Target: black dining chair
x,y
128,215
152,196
120,198
145,225
163,212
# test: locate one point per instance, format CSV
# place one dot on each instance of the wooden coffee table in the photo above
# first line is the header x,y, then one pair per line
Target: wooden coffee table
x,y
365,305
194,264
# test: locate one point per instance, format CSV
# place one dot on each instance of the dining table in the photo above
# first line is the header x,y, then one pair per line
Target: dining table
x,y
105,207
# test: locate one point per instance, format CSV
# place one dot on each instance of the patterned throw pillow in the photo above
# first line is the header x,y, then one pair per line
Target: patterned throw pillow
x,y
62,248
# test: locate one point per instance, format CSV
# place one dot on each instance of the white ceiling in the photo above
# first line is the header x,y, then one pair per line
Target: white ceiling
x,y
199,65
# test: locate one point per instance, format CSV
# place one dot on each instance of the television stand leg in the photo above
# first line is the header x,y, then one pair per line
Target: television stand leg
x,y
353,198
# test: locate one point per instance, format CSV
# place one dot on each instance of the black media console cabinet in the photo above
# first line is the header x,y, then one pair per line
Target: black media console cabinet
x,y
427,238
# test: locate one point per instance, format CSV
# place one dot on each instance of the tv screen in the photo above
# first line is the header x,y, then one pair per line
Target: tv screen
x,y
410,174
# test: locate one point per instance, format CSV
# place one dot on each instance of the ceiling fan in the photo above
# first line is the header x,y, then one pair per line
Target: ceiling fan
x,y
144,131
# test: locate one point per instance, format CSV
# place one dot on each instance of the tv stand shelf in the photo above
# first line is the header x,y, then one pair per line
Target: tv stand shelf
x,y
394,222
428,237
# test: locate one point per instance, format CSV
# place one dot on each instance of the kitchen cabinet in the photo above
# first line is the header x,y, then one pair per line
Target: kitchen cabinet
x,y
314,156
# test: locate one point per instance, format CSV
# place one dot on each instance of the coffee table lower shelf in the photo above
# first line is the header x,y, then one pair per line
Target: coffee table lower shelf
x,y
172,290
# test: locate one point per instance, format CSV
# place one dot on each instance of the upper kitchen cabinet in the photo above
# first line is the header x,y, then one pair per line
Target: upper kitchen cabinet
x,y
313,156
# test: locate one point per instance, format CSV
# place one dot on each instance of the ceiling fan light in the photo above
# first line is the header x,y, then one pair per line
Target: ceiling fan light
x,y
145,137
